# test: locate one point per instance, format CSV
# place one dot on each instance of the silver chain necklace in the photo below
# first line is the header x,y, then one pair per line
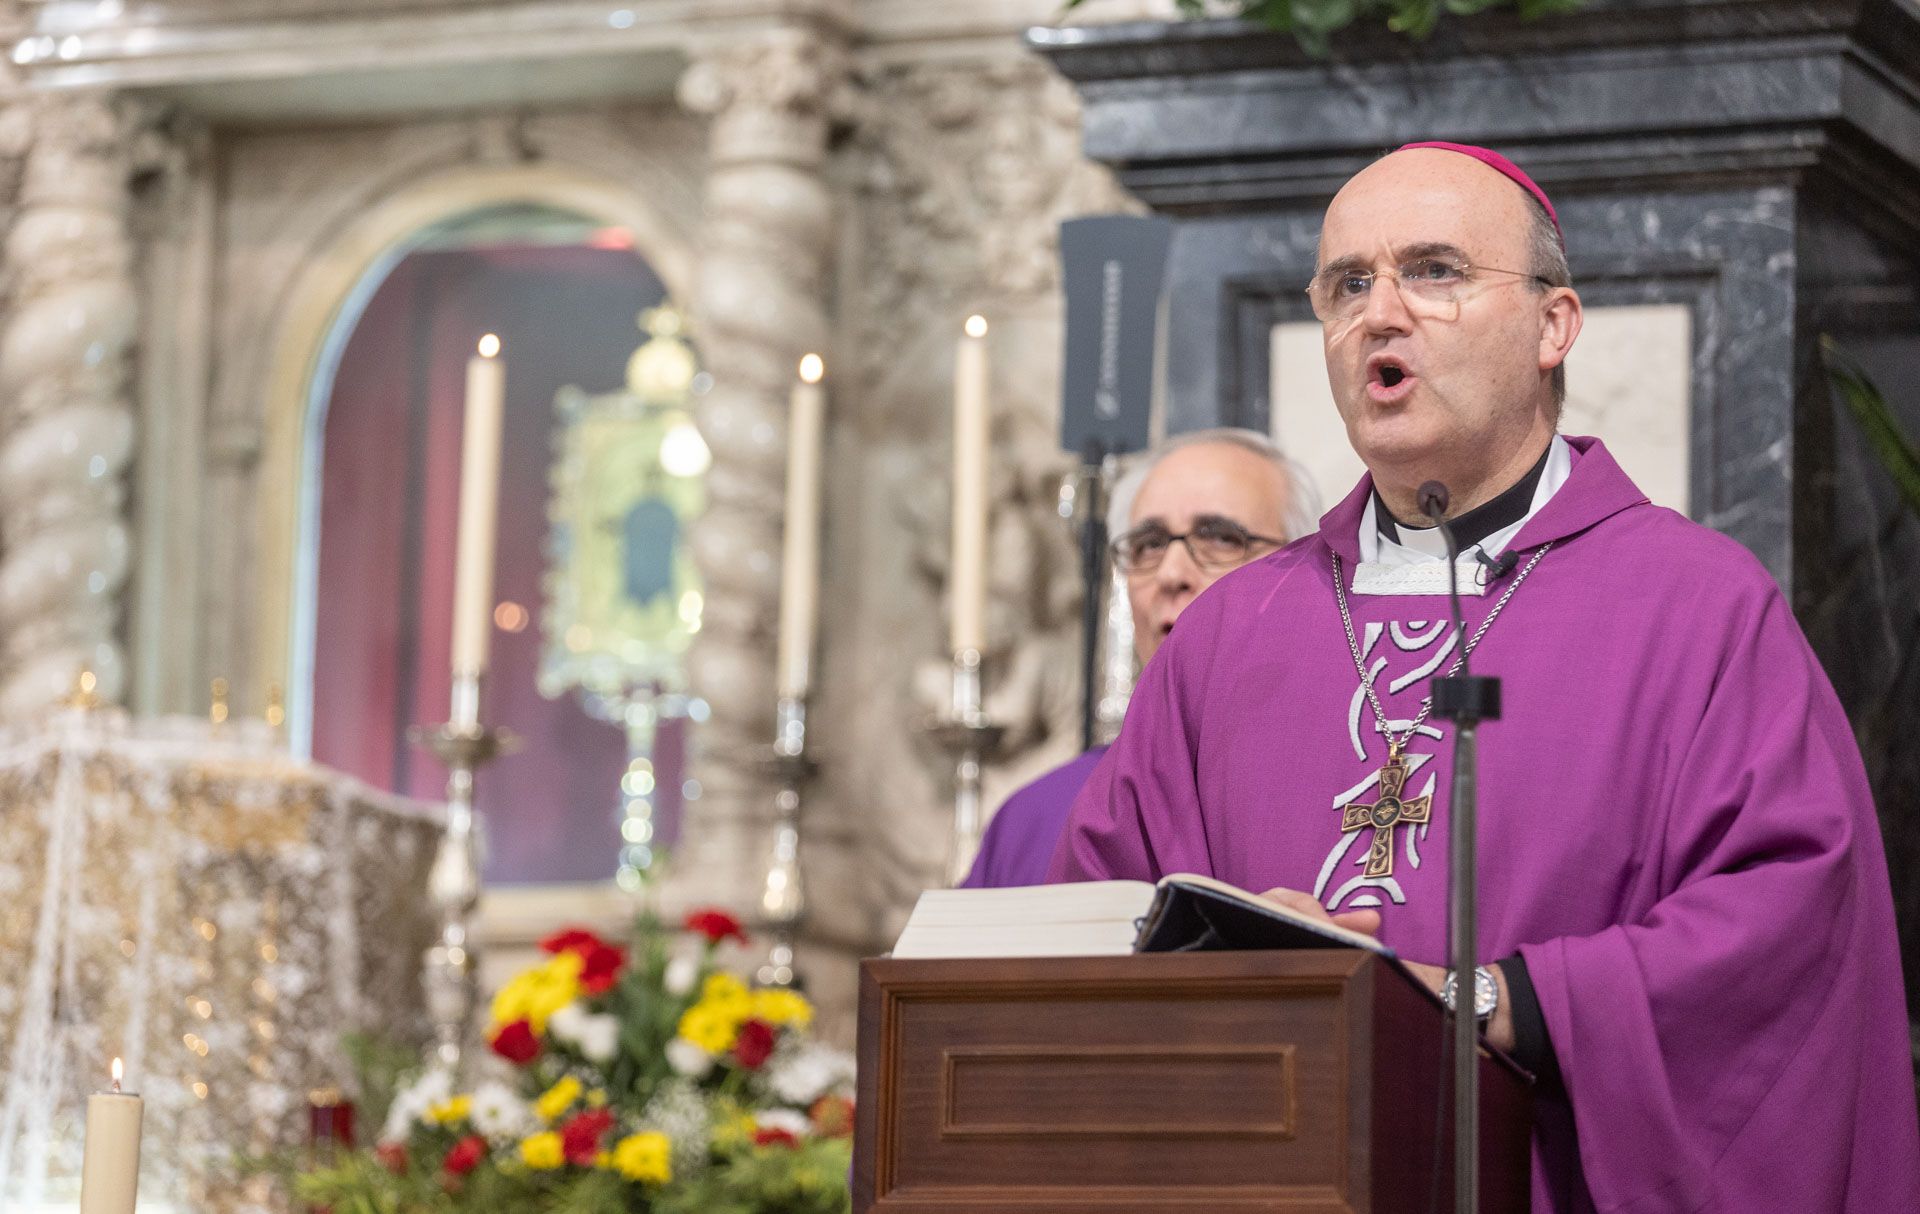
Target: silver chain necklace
x,y
1396,745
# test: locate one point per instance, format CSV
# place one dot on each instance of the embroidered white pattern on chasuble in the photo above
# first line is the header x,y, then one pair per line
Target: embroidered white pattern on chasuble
x,y
1346,871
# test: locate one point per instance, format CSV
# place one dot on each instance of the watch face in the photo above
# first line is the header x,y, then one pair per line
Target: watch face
x,y
1486,995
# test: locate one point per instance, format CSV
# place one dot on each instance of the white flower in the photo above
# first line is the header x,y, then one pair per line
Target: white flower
x,y
793,1121
595,1035
679,1111
565,1024
600,1038
804,1073
682,973
688,1059
500,1114
411,1103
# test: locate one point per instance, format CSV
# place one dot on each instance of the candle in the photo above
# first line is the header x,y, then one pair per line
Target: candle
x,y
479,504
800,554
110,1170
969,575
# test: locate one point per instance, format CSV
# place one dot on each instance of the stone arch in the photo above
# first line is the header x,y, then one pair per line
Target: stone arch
x,y
319,308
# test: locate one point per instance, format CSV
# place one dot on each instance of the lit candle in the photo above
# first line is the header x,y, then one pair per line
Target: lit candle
x,y
800,554
110,1170
969,575
479,505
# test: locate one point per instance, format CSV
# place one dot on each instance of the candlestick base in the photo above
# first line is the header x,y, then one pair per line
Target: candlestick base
x,y
972,739
783,902
453,883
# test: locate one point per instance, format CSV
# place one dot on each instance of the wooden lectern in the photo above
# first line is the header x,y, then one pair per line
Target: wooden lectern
x,y
1169,1083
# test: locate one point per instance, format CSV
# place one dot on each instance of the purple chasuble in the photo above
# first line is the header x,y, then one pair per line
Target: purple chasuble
x,y
1020,840
1675,832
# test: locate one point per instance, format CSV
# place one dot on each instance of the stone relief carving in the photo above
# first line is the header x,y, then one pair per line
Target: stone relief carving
x,y
966,171
66,444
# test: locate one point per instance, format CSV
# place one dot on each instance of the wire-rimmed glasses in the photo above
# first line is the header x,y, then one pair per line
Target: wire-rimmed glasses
x,y
1432,287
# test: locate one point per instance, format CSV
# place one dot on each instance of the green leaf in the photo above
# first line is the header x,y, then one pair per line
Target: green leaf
x,y
1895,451
1322,16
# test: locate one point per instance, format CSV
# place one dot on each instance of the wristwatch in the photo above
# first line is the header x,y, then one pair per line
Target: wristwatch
x,y
1486,993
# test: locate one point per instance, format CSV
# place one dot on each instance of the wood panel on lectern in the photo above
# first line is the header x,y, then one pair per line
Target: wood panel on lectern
x,y
1283,1081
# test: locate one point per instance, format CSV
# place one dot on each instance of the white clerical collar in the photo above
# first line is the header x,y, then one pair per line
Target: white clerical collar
x,y
1425,547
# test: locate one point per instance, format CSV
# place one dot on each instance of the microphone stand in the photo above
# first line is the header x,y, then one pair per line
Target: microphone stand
x,y
1093,555
1466,700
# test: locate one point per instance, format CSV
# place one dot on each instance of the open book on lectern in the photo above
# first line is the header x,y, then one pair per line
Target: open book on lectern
x,y
1183,912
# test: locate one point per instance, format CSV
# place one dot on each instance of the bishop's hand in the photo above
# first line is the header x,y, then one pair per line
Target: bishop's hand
x,y
1499,1030
1366,922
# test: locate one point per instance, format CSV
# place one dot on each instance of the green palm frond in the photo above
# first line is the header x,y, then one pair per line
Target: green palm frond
x,y
1890,444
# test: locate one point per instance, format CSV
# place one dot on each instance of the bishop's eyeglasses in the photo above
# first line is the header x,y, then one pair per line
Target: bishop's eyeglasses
x,y
1216,544
1432,286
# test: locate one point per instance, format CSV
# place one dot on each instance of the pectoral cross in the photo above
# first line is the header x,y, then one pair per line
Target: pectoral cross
x,y
1386,813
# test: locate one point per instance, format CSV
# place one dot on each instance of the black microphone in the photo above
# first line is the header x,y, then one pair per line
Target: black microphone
x,y
1496,567
1433,498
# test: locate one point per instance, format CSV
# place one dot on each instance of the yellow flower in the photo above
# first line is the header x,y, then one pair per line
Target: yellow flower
x,y
557,1099
709,1028
543,1151
643,1157
597,1098
536,994
731,1130
726,993
778,1007
450,1112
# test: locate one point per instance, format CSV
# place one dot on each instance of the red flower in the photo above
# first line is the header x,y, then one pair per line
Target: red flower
x,y
465,1155
773,1136
755,1042
392,1157
600,962
832,1116
572,940
600,968
716,926
580,1135
516,1043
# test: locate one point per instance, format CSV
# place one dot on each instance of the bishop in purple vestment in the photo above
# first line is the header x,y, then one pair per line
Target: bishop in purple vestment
x,y
1683,896
1193,508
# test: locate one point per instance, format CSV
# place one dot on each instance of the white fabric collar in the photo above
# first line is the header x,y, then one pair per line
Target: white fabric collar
x,y
1378,554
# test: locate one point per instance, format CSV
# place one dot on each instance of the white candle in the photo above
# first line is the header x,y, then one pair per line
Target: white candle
x,y
110,1170
800,553
479,506
969,575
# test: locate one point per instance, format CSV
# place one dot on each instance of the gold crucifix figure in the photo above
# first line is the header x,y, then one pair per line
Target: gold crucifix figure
x,y
1386,813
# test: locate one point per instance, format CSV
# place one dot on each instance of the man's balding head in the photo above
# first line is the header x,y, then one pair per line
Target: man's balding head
x,y
1460,393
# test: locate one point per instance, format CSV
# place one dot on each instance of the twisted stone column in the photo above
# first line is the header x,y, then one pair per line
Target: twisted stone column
x,y
67,434
759,305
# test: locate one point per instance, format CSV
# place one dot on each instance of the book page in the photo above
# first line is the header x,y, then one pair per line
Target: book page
x,y
1093,918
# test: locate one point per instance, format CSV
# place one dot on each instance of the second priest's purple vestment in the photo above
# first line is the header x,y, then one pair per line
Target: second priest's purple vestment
x,y
1020,840
1675,832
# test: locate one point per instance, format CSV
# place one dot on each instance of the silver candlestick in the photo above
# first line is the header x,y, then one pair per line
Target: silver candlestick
x,y
971,739
783,900
453,883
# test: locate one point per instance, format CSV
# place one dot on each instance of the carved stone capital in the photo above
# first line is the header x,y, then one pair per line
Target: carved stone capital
x,y
772,98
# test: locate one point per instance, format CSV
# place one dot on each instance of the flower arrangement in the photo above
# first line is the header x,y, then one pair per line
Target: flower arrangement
x,y
641,1079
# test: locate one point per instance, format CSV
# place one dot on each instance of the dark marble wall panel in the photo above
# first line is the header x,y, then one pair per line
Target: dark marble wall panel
x,y
1857,579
